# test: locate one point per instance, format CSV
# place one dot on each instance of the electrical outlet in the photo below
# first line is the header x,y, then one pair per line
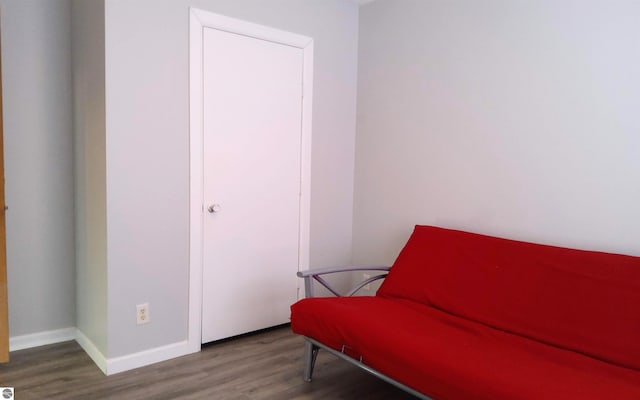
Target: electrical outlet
x,y
368,285
142,314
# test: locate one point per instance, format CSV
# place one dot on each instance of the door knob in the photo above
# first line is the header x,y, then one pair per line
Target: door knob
x,y
213,208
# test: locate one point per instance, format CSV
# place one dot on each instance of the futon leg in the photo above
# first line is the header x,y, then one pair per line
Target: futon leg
x,y
310,354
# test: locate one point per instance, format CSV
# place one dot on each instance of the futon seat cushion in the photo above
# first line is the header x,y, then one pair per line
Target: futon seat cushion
x,y
584,301
451,358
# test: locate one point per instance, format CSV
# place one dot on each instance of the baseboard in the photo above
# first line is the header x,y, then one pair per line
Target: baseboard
x,y
92,351
41,338
147,357
108,366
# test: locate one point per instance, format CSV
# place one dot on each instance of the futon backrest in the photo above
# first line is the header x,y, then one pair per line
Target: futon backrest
x,y
579,300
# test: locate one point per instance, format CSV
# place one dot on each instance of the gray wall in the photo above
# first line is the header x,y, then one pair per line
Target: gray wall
x,y
38,164
88,63
514,118
147,150
142,147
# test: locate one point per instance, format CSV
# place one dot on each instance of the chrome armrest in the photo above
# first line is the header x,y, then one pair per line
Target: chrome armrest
x,y
316,274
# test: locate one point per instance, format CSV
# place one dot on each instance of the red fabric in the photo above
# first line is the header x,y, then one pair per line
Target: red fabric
x,y
584,301
452,358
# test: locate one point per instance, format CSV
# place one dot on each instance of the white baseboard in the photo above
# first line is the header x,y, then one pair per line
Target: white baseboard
x,y
41,338
147,357
108,366
92,351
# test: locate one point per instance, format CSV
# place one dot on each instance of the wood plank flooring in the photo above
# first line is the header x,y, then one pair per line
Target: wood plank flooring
x,y
263,366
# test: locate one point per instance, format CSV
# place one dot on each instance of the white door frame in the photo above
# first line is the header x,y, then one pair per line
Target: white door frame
x,y
199,20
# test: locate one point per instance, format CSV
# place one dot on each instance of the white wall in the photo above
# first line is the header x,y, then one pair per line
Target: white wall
x,y
88,63
147,150
38,165
512,118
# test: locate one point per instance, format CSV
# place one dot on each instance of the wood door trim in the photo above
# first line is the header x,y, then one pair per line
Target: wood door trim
x,y
4,306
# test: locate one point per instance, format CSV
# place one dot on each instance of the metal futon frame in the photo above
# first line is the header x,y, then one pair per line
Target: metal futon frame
x,y
312,346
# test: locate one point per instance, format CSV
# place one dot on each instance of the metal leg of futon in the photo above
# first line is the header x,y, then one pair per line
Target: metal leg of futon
x,y
310,354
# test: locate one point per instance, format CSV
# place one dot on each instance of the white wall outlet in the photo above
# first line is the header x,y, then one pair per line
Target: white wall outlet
x,y
365,277
142,314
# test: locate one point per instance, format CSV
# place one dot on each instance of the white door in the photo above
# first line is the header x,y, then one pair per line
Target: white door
x,y
252,91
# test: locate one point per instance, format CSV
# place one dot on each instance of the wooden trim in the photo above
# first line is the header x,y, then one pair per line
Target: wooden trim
x,y
199,20
223,23
4,306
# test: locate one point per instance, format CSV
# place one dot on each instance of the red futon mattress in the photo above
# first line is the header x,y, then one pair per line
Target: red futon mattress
x,y
469,316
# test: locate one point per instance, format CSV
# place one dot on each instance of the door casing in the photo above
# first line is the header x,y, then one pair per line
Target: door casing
x,y
4,306
199,20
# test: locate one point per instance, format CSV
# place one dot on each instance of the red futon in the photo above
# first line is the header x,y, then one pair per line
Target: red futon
x,y
467,316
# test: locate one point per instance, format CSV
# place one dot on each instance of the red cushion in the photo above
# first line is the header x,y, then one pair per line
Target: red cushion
x,y
447,357
584,301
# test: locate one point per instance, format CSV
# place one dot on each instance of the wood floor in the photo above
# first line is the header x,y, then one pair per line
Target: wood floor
x,y
263,366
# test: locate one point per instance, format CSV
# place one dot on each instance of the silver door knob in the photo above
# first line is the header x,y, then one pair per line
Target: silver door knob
x,y
214,208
